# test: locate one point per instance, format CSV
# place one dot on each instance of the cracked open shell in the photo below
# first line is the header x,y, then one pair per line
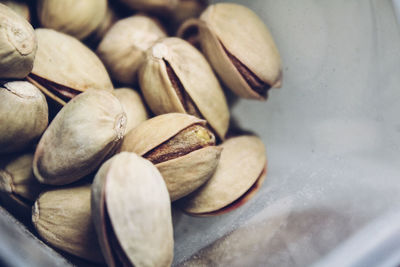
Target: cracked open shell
x,y
240,173
181,148
132,213
64,67
176,77
83,134
17,45
239,47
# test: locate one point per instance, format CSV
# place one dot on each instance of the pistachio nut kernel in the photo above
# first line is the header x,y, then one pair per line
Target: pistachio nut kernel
x,y
23,115
132,213
64,67
176,77
123,47
240,173
63,218
83,134
239,47
18,45
74,17
180,146
19,6
133,106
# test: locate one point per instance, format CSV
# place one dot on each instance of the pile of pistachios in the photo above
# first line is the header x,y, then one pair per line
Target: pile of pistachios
x,y
96,169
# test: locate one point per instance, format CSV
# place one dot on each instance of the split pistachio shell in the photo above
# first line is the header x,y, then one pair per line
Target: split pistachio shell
x,y
177,78
17,45
63,218
133,106
74,17
239,47
23,115
181,148
19,6
84,133
156,6
132,213
65,67
18,186
123,47
240,173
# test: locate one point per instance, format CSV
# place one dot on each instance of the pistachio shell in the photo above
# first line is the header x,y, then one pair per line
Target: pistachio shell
x,y
19,6
65,67
151,5
17,45
87,130
190,70
123,47
240,48
23,115
110,18
132,213
133,106
63,218
185,173
240,172
74,17
188,9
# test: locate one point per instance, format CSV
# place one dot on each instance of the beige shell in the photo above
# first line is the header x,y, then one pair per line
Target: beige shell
x,y
132,213
17,45
133,106
65,67
63,218
19,6
123,47
74,17
239,47
188,9
23,115
110,18
240,172
84,133
157,6
18,186
184,174
192,76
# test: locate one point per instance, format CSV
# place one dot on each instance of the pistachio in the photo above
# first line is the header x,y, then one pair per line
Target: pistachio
x,y
17,45
239,47
177,78
23,115
133,106
188,9
181,148
84,133
132,213
240,173
19,6
18,186
123,47
110,18
155,6
74,17
65,67
63,218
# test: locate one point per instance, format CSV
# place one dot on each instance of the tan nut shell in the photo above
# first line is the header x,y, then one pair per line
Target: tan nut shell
x,y
188,9
184,174
131,191
124,46
151,5
17,45
63,218
64,60
242,161
74,17
133,106
246,37
86,130
110,18
196,76
23,115
20,7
